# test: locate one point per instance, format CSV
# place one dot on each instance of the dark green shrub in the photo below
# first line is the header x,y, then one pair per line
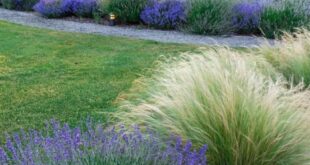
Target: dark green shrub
x,y
127,10
287,17
102,10
209,16
19,4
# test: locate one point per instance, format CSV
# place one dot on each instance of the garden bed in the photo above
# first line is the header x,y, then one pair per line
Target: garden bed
x,y
221,105
71,98
172,36
205,17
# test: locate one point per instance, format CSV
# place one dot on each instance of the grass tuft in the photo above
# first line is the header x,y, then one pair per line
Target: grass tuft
x,y
291,56
223,99
209,17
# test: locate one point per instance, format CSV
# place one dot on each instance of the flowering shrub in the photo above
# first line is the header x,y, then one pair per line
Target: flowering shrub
x,y
84,8
247,17
18,4
63,145
53,8
168,14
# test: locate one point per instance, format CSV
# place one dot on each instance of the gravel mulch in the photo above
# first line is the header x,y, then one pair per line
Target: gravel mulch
x,y
34,20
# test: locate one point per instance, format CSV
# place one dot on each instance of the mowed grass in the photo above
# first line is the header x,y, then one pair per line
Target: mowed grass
x,y
67,76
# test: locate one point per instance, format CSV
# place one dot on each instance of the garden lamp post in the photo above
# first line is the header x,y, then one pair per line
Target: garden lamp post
x,y
112,19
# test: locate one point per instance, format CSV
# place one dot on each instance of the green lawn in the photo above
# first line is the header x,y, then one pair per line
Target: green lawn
x,y
67,76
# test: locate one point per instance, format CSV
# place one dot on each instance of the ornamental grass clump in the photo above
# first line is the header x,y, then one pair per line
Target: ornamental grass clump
x,y
284,16
127,11
224,99
291,56
53,8
209,16
62,145
18,4
102,10
166,15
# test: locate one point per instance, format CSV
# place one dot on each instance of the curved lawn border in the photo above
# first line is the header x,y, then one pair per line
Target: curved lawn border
x,y
33,20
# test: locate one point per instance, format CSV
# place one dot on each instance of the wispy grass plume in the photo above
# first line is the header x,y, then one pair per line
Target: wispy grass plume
x,y
291,56
225,100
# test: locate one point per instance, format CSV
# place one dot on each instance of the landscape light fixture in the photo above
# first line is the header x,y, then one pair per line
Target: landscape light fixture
x,y
112,19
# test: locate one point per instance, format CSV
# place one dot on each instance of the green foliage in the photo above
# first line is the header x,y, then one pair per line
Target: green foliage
x,y
18,4
127,10
67,76
222,98
209,16
102,10
284,18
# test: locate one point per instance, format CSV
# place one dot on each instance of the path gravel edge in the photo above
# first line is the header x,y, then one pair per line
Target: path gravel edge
x,y
34,20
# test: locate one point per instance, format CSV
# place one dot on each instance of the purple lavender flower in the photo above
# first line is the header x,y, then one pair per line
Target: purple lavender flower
x,y
28,153
10,147
180,159
53,8
97,146
203,152
3,156
246,17
84,8
76,138
167,14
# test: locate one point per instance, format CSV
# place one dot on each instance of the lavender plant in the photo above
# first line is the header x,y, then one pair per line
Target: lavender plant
x,y
84,8
63,145
53,8
167,14
246,17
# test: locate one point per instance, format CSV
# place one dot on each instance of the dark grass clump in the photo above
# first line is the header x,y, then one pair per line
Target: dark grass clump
x,y
284,16
23,5
209,16
127,11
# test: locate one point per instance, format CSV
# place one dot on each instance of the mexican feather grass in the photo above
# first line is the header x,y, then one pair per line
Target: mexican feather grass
x,y
226,100
291,56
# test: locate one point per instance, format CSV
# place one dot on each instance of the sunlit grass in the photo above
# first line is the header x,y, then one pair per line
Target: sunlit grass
x,y
67,76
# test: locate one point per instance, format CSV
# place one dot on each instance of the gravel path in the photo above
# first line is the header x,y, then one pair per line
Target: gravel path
x,y
32,19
